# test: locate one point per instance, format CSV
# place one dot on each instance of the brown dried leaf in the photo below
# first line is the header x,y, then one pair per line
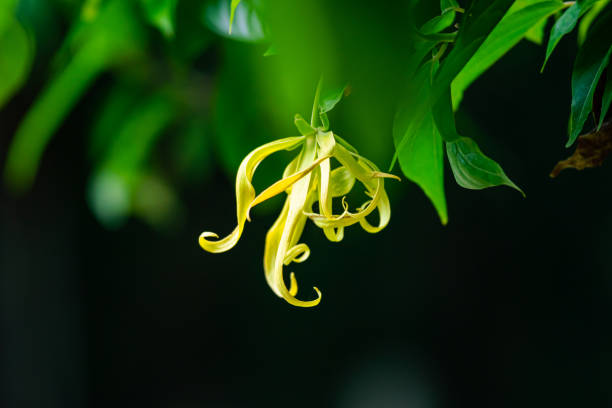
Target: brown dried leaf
x,y
591,151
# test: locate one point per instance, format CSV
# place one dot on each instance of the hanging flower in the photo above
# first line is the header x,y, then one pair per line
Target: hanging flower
x,y
307,179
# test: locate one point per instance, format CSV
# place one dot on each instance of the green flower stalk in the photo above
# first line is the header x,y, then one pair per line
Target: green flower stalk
x,y
307,179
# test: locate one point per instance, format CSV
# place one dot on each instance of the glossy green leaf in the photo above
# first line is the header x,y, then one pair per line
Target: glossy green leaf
x,y
438,23
160,13
592,59
15,58
246,23
512,28
565,24
419,145
589,17
480,20
422,161
471,168
446,4
330,98
536,33
606,100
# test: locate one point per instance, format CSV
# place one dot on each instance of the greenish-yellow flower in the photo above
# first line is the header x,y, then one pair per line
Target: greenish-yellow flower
x,y
307,179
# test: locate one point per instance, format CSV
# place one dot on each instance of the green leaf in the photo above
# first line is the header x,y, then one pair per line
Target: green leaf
x,y
606,100
446,4
536,33
480,20
422,161
472,169
587,20
234,5
592,59
160,13
506,35
329,99
438,23
418,143
246,23
15,56
565,24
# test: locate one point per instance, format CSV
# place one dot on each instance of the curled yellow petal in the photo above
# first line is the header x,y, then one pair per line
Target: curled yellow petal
x,y
349,218
345,157
298,253
334,234
271,247
293,287
245,193
280,242
384,210
285,183
325,199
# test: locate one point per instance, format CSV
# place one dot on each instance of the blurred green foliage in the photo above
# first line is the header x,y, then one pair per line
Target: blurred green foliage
x,y
191,83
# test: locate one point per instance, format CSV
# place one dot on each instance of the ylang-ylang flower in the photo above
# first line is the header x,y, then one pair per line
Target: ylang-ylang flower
x,y
308,179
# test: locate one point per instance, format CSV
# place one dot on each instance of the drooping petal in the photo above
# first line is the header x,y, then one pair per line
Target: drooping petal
x,y
366,172
326,145
245,193
271,247
334,234
293,287
348,218
384,211
285,183
298,253
297,200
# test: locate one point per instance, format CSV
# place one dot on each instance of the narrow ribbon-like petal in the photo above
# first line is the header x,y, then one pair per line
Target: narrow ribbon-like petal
x,y
334,234
384,211
285,183
348,218
297,200
326,143
298,253
245,193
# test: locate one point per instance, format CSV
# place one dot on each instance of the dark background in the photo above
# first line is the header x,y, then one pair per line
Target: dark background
x,y
506,306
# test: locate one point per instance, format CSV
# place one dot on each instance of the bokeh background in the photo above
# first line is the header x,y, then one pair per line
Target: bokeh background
x,y
106,298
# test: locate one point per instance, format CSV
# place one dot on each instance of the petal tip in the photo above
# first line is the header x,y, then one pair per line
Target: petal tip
x,y
380,174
